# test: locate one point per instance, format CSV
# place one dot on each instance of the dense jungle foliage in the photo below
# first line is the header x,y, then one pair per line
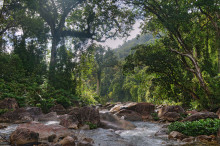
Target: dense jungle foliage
x,y
50,52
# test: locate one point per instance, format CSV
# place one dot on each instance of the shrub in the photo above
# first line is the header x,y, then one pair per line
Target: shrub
x,y
2,111
45,104
155,116
91,125
194,128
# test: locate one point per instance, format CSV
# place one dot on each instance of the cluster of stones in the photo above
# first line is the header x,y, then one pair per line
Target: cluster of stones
x,y
31,129
166,114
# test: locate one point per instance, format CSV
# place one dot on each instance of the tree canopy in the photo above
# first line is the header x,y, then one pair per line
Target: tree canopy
x,y
50,52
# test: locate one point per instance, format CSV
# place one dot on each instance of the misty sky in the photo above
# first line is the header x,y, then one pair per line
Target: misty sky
x,y
114,43
1,3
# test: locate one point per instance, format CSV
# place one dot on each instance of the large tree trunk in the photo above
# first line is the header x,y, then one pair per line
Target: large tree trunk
x,y
195,70
53,60
200,77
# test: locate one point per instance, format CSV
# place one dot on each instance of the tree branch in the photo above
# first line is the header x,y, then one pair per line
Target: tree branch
x,y
46,15
73,33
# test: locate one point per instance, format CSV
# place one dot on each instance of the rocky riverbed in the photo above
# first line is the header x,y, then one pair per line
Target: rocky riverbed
x,y
142,135
128,124
145,134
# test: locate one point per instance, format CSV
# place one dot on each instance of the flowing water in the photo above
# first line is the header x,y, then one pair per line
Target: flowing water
x,y
143,135
6,132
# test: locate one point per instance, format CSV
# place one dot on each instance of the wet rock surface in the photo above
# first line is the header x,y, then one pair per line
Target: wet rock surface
x,y
21,115
171,116
110,121
52,116
129,115
45,130
176,135
200,115
23,136
134,111
166,109
69,121
86,114
116,108
47,135
204,138
189,139
59,109
145,109
68,141
109,105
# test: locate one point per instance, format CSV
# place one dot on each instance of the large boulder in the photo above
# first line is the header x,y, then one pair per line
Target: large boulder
x,y
129,115
21,115
69,121
22,136
73,110
116,108
204,138
108,106
68,141
9,103
46,131
59,109
188,139
34,111
52,116
110,121
86,114
86,142
145,109
166,109
176,135
200,115
171,116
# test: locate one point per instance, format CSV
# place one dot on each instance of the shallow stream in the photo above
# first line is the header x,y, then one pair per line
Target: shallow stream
x,y
142,135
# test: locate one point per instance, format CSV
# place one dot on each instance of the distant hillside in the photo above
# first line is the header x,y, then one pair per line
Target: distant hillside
x,y
124,50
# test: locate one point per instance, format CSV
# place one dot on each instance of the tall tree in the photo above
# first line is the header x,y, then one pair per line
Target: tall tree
x,y
10,14
211,10
179,20
83,19
103,59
